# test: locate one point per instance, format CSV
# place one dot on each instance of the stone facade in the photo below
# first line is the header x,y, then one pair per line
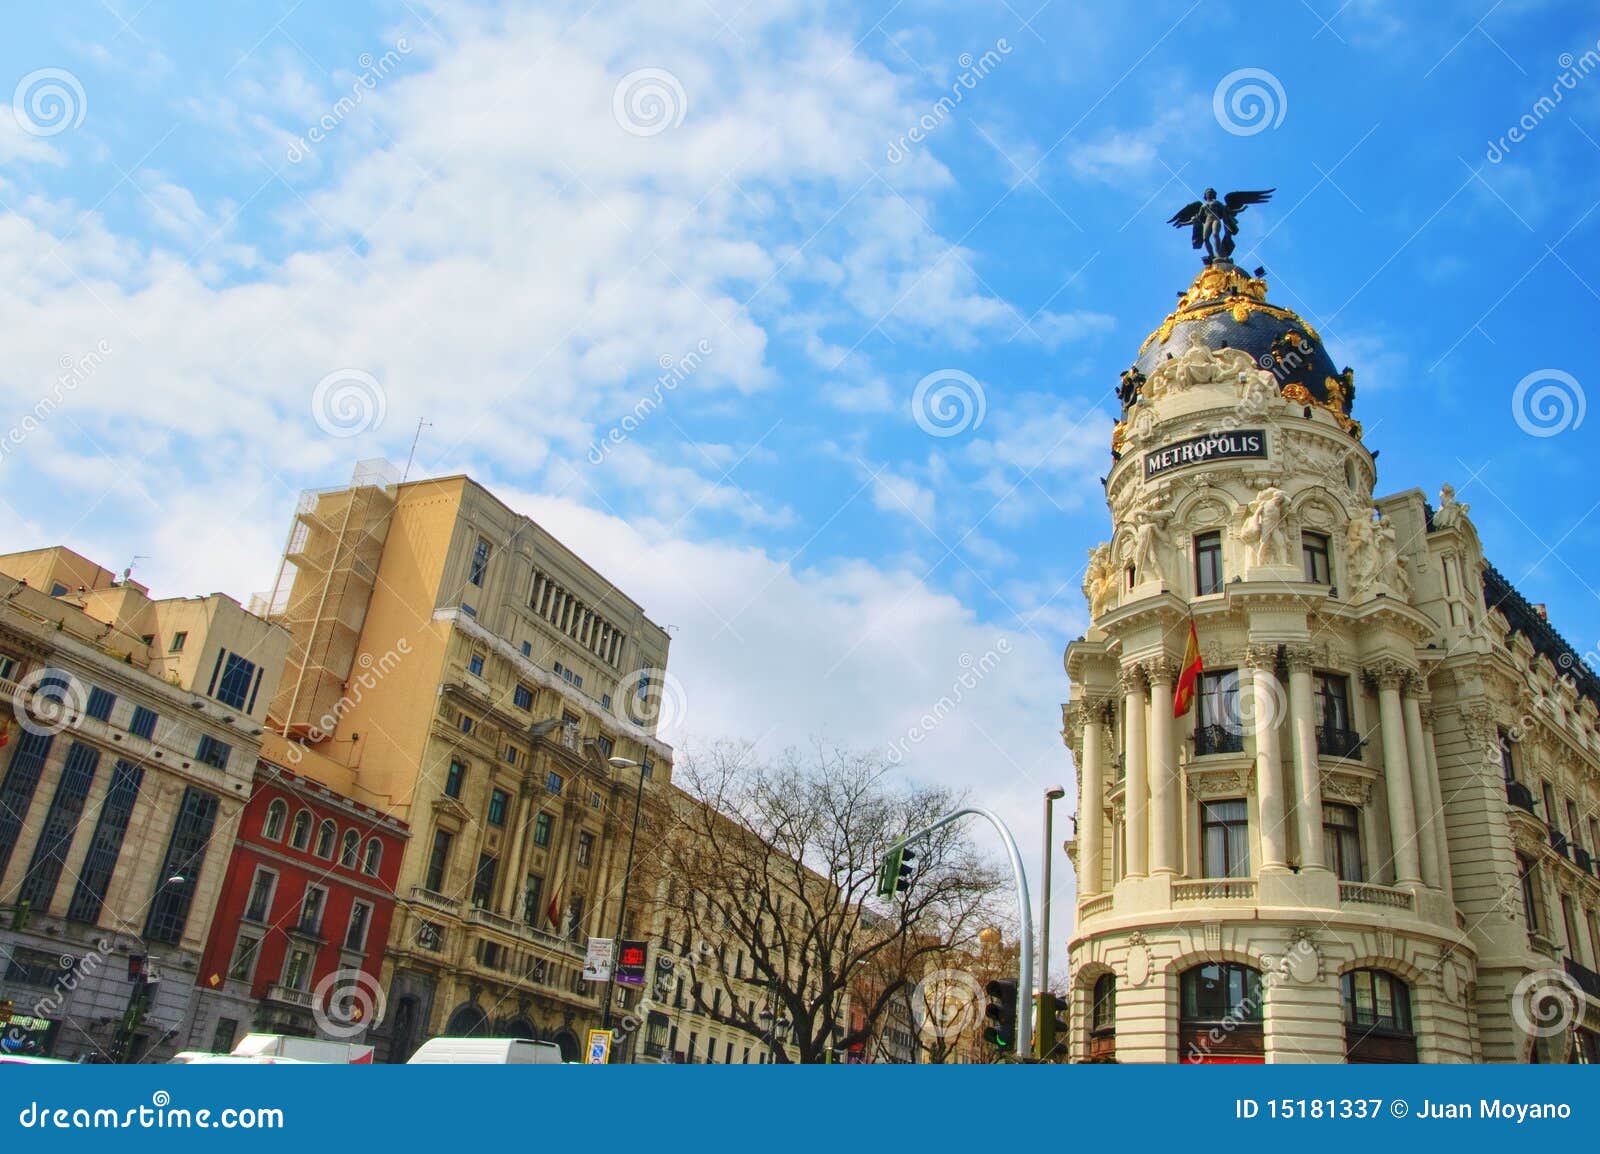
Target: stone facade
x,y
1324,858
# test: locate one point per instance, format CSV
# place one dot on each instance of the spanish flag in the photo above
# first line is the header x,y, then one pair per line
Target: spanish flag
x,y
1183,696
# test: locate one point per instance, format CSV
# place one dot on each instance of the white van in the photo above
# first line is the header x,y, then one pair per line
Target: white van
x,y
485,1052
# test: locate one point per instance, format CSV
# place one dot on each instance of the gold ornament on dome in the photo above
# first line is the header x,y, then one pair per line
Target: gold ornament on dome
x,y
1298,393
1119,437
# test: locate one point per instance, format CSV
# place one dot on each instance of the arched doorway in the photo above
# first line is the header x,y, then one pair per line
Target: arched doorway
x,y
568,1041
468,1022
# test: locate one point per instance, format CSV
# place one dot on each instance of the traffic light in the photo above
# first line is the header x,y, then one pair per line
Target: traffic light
x,y
895,877
1001,1032
1052,1027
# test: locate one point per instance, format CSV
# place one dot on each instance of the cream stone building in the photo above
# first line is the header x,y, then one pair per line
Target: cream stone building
x,y
469,670
1373,835
131,729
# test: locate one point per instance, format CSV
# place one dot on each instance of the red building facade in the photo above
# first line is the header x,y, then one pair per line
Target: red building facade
x,y
298,937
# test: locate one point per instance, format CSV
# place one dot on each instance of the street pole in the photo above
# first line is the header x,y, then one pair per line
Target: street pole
x,y
1024,910
1051,795
627,877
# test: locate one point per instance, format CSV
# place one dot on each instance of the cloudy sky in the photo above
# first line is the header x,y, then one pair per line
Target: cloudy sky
x,y
891,258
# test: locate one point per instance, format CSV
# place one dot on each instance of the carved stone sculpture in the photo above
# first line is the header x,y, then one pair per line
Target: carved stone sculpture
x,y
1451,512
1266,532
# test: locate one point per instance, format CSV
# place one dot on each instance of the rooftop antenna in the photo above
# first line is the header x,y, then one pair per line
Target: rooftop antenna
x,y
421,421
127,571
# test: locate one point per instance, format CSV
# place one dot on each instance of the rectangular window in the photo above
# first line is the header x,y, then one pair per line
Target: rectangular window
x,y
186,854
475,665
233,688
143,723
1225,839
605,745
1207,563
1341,841
1530,893
106,845
453,778
222,1040
542,827
178,641
243,966
430,936
585,848
1314,552
438,859
60,825
312,907
527,649
522,697
532,911
1332,700
16,792
259,907
297,970
498,801
483,882
100,703
355,935
1218,728
511,755
480,562
553,782
466,724
213,752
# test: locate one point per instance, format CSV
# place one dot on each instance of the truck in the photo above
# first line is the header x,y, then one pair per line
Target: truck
x,y
486,1052
282,1046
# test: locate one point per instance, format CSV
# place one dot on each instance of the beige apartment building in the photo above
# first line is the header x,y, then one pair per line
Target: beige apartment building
x,y
132,727
462,665
1373,835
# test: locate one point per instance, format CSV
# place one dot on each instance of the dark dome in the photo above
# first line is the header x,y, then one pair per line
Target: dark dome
x,y
1229,309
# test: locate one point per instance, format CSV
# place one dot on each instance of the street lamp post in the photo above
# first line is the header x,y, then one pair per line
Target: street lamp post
x,y
1051,795
141,984
627,877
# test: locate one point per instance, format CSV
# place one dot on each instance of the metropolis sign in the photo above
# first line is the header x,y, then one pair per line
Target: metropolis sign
x,y
1211,447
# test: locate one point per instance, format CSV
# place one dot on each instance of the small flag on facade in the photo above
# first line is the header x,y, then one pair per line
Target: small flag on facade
x,y
1183,698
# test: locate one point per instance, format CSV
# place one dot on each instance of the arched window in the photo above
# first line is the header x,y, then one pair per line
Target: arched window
x,y
1103,1020
277,817
1377,1018
374,857
1220,1014
327,834
350,850
300,832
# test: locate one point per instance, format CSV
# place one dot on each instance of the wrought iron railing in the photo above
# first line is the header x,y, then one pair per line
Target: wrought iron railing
x,y
1520,795
1587,979
1335,742
1217,739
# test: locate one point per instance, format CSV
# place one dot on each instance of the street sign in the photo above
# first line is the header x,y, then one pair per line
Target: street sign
x,y
599,1048
630,963
597,960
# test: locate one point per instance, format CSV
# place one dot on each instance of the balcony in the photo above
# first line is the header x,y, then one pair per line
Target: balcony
x,y
1587,979
1583,859
1519,795
1093,907
1363,893
438,901
1214,890
1559,843
1217,739
289,996
1333,742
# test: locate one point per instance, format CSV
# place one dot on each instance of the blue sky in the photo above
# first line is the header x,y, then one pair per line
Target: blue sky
x,y
487,233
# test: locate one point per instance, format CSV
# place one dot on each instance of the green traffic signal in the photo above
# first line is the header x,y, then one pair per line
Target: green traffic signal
x,y
1001,1032
894,880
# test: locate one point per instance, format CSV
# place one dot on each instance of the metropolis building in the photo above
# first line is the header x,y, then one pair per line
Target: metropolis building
x,y
1373,835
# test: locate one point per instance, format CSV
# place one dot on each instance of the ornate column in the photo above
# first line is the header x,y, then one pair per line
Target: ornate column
x,y
1388,676
1136,785
516,874
1429,821
1164,788
1092,807
1443,839
1307,772
1266,711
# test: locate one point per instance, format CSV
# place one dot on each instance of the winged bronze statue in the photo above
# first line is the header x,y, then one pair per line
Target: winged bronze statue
x,y
1216,221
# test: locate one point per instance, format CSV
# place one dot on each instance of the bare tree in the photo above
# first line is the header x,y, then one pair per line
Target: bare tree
x,y
774,867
